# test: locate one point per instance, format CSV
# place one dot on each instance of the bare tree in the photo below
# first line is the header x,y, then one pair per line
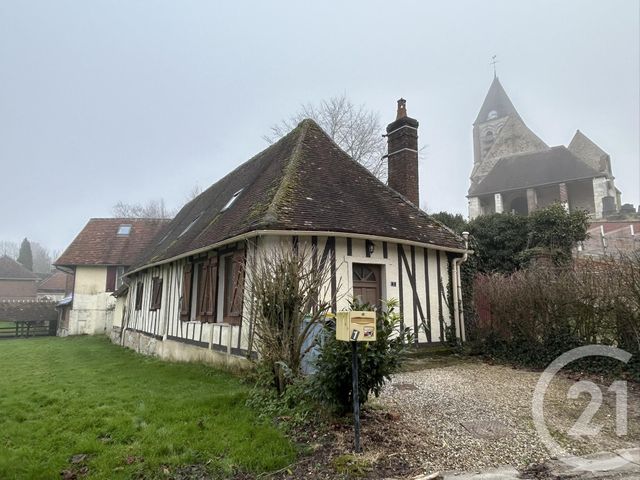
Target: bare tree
x,y
290,298
354,128
9,248
194,192
41,258
151,209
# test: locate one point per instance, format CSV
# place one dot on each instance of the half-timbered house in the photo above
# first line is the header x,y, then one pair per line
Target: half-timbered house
x,y
187,298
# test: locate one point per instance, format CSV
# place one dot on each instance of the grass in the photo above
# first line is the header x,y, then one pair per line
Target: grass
x,y
85,406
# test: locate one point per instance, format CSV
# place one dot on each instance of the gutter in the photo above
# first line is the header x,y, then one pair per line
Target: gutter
x,y
458,312
259,233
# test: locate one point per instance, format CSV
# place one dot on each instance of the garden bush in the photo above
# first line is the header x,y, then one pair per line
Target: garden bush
x,y
377,361
532,316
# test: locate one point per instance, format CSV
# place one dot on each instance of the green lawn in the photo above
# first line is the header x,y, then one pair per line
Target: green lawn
x,y
132,416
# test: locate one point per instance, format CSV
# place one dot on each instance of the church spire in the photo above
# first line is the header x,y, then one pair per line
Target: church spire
x,y
496,104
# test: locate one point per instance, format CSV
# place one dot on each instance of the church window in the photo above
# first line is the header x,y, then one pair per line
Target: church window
x,y
492,114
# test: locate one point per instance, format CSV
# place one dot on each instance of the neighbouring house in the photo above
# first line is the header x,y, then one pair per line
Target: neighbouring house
x,y
613,237
187,297
97,259
55,286
515,171
16,281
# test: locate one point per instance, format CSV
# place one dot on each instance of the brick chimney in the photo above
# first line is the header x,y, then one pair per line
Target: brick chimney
x,y
402,154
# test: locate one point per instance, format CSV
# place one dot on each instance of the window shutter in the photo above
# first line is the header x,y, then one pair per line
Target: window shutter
x,y
203,290
209,304
237,292
111,279
185,307
156,293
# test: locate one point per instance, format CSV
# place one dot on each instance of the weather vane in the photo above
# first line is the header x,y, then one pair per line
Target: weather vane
x,y
493,62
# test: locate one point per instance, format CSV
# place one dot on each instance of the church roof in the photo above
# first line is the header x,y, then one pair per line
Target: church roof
x,y
303,182
496,100
555,165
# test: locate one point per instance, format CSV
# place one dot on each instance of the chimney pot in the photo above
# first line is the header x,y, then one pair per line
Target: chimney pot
x,y
402,109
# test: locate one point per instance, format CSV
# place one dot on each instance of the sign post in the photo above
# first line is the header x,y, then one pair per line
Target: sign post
x,y
355,390
356,327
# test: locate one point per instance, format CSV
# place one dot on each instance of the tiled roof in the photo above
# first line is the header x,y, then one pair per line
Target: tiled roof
x,y
100,244
56,282
10,269
555,165
304,182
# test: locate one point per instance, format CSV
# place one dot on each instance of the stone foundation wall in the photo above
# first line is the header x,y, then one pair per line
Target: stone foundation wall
x,y
174,351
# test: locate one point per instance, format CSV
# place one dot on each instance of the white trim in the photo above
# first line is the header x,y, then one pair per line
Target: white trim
x,y
400,128
402,150
260,233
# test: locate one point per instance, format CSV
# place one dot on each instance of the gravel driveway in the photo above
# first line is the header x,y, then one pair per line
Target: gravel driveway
x,y
474,415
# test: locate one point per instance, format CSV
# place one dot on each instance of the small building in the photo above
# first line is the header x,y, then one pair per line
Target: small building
x,y
515,171
97,259
55,286
16,281
188,298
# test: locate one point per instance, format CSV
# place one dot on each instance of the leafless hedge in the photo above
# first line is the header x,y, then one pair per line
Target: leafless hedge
x,y
533,315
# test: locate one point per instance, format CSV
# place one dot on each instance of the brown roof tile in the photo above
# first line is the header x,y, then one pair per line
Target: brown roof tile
x,y
100,244
10,269
304,182
56,282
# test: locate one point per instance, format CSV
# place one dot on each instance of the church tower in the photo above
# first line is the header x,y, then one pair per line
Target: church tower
x,y
515,171
495,111
499,131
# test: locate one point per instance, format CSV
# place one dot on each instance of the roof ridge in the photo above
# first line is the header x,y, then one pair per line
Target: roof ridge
x,y
366,171
290,170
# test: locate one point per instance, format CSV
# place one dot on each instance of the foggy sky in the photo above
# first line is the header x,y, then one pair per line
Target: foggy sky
x,y
104,101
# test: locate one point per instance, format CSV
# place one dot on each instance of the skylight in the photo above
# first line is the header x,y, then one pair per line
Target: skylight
x,y
124,230
190,225
230,202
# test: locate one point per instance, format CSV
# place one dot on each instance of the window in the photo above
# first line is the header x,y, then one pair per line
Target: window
x,y
199,291
111,279
156,293
212,289
230,202
114,278
193,222
119,276
124,230
233,287
139,294
207,290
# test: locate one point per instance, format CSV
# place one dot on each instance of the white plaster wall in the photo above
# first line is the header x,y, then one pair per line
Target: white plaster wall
x,y
91,304
165,322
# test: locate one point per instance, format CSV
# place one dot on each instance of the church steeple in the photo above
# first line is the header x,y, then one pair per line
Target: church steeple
x,y
496,104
